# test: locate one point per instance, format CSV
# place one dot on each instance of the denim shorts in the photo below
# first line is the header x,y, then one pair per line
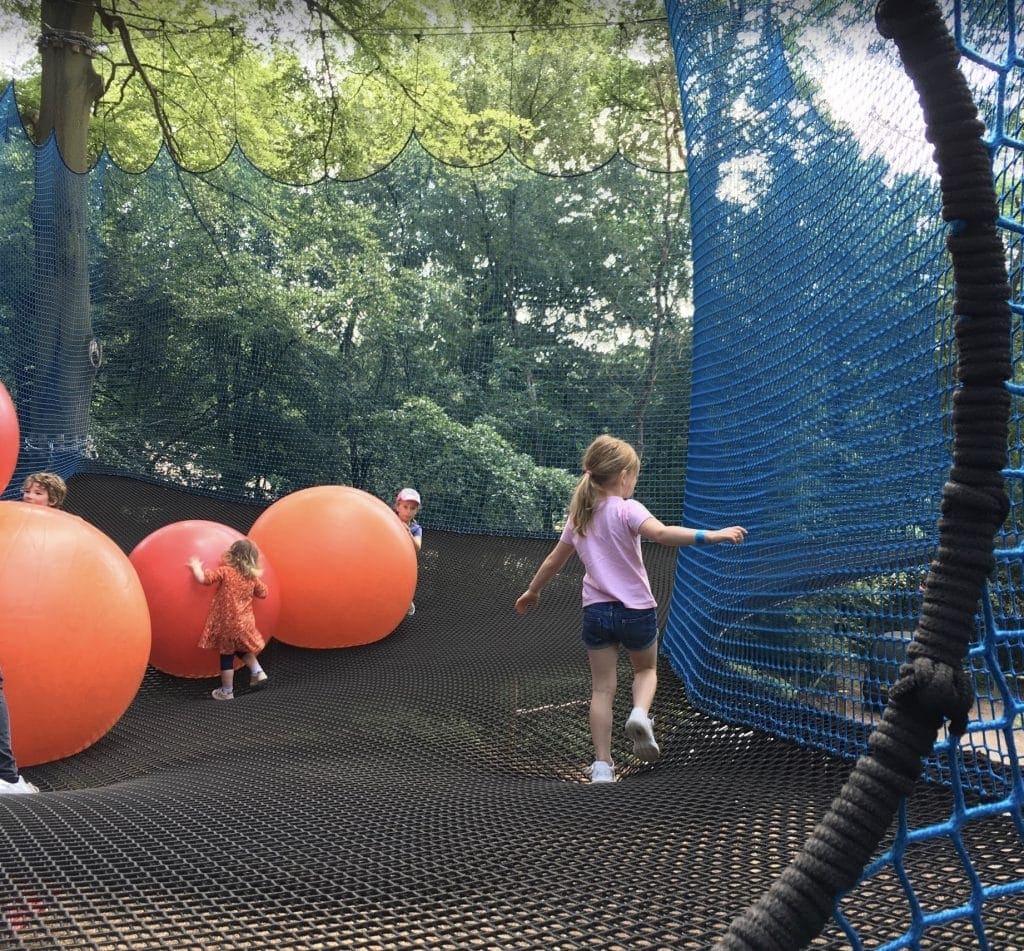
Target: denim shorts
x,y
611,622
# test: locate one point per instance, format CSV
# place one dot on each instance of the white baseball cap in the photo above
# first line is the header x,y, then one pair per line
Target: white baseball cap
x,y
408,495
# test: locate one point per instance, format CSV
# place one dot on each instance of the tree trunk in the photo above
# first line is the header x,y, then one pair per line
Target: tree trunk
x,y
65,354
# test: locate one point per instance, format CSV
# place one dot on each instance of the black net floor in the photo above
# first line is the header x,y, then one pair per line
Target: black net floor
x,y
426,791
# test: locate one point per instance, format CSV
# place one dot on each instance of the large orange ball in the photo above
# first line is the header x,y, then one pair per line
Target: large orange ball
x,y
10,437
178,604
345,562
74,631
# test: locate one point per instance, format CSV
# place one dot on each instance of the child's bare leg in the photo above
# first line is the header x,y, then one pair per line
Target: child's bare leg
x,y
603,669
645,681
257,675
645,676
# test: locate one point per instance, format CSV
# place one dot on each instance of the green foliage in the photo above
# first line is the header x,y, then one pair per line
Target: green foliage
x,y
264,332
326,89
469,469
462,331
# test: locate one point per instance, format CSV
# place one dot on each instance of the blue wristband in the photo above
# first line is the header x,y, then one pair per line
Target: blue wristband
x,y
698,539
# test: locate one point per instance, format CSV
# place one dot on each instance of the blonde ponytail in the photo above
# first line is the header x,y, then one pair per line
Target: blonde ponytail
x,y
605,459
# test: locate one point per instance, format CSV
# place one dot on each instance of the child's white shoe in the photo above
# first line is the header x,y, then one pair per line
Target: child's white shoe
x,y
260,677
21,786
223,693
601,772
641,731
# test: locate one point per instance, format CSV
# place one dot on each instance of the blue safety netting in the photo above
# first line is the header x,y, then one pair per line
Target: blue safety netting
x,y
824,368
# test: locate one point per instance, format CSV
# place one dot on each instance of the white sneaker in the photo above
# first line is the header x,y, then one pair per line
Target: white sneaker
x,y
412,610
20,787
255,680
640,730
223,693
601,772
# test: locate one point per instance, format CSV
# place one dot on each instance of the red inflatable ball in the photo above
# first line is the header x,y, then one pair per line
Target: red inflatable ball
x,y
345,562
10,437
178,604
74,631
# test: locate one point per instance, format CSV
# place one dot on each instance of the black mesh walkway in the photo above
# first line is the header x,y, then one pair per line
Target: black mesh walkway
x,y
422,792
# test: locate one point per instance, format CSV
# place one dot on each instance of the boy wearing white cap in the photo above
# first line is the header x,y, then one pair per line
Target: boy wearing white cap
x,y
407,504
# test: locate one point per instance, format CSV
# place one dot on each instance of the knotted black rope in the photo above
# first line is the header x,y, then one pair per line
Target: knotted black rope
x,y
932,684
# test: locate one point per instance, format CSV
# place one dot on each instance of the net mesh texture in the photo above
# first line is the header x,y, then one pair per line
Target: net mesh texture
x,y
427,791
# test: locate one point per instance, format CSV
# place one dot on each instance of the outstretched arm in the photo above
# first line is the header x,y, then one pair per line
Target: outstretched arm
x,y
553,564
677,536
196,567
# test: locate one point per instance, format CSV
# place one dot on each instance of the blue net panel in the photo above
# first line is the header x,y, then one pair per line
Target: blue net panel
x,y
824,368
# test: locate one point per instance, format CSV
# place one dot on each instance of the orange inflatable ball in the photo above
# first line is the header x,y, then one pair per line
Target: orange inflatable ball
x,y
10,437
178,604
345,562
74,631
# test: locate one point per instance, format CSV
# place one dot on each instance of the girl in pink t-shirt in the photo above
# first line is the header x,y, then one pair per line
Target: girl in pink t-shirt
x,y
604,528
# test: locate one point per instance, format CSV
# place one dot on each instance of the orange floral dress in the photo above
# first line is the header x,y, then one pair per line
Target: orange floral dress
x,y
231,624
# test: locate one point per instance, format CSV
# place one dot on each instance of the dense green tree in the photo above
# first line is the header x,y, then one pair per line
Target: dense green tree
x,y
262,336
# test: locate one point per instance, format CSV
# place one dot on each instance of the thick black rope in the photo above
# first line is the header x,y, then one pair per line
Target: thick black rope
x,y
932,684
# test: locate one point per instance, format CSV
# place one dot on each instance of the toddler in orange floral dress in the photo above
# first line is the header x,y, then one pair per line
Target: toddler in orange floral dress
x,y
231,624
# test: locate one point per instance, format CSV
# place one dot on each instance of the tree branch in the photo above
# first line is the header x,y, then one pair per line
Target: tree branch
x,y
113,22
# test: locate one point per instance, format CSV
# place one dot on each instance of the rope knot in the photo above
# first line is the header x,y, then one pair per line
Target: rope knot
x,y
939,688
